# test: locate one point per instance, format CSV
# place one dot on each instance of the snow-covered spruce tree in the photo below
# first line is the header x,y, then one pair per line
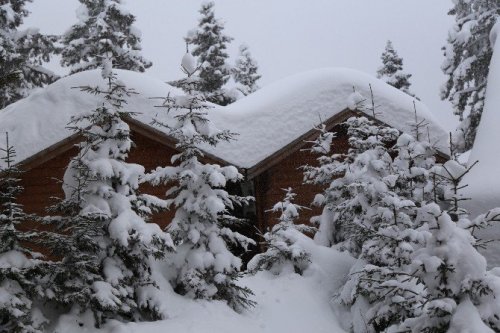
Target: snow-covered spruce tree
x,y
204,266
106,245
467,58
392,70
383,285
461,295
373,202
22,53
451,175
209,44
415,166
350,201
380,224
104,27
19,268
284,252
245,72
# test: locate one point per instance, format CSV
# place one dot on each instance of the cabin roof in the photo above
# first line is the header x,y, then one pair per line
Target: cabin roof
x,y
267,121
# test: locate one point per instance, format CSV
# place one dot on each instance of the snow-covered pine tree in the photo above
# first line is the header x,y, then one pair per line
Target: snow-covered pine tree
x,y
351,200
451,175
284,252
392,70
209,44
20,271
382,231
384,277
106,245
204,266
22,53
467,58
370,208
414,166
104,27
245,72
461,294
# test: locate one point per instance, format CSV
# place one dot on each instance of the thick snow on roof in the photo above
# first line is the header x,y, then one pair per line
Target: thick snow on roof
x,y
266,120
40,120
279,113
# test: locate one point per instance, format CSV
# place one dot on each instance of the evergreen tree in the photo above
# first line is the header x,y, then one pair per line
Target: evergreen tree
x,y
376,224
106,244
370,209
22,53
245,72
384,276
209,46
392,70
350,201
467,58
19,269
455,277
104,27
283,241
205,268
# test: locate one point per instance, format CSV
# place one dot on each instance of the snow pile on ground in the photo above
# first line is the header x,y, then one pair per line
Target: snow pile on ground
x,y
265,121
483,180
285,303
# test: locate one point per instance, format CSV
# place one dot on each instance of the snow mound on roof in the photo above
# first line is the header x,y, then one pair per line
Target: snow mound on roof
x,y
266,121
277,114
40,120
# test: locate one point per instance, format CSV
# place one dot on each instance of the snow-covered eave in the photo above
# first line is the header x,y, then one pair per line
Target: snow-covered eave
x,y
71,141
302,141
155,134
298,143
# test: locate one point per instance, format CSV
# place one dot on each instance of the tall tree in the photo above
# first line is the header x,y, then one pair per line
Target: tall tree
x,y
245,72
104,27
209,44
467,57
205,267
392,70
106,244
22,53
20,270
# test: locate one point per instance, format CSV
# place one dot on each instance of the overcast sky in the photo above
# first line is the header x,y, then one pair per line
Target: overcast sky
x,y
290,36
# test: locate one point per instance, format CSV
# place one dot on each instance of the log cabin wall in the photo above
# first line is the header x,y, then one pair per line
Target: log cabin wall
x,y
270,183
43,182
152,150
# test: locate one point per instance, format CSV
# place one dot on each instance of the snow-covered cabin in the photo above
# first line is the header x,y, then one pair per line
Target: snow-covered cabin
x,y
274,126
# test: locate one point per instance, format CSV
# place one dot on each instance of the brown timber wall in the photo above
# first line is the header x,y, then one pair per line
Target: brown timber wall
x,y
288,173
42,183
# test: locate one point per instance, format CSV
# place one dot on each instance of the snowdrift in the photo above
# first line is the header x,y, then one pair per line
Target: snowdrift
x,y
285,303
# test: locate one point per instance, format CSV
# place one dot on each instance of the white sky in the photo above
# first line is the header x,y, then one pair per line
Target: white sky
x,y
290,36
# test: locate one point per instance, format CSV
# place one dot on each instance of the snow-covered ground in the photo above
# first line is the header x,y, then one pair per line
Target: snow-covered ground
x,y
286,303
